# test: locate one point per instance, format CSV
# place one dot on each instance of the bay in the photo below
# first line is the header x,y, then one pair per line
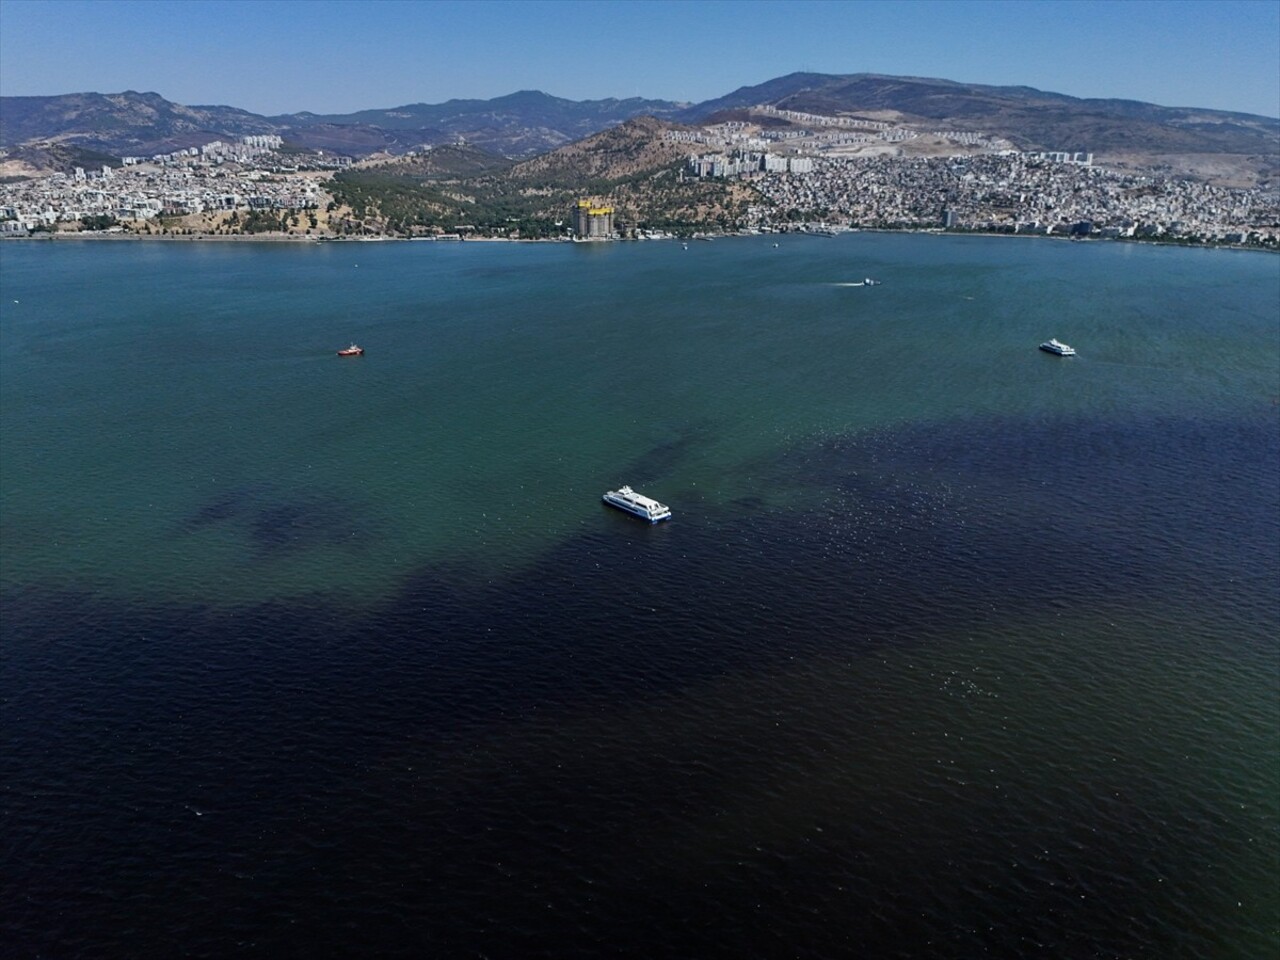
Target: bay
x,y
952,648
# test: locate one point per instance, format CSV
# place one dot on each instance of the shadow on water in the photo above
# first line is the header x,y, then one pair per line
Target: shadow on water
x,y
519,767
273,520
685,439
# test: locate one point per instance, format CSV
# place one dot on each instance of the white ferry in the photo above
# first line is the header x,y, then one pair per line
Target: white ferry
x,y
624,498
1061,349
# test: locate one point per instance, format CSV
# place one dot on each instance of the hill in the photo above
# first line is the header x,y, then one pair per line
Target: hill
x,y
519,125
120,123
1031,119
634,148
528,123
631,165
449,162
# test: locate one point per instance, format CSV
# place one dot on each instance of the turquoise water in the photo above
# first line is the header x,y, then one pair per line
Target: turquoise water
x,y
952,648
505,386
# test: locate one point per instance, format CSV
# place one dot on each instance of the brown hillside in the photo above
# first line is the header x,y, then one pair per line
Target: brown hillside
x,y
627,150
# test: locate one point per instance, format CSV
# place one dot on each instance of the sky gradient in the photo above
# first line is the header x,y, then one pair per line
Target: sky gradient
x,y
334,56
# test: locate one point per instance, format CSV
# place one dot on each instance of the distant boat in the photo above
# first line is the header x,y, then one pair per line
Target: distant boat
x,y
1054,346
351,351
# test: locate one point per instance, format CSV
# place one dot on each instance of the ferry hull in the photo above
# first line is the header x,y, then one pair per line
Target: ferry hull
x,y
1057,348
654,512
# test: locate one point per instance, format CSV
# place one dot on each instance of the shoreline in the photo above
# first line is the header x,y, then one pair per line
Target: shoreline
x,y
125,237
252,238
288,238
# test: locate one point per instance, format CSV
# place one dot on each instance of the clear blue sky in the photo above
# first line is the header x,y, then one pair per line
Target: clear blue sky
x,y
282,56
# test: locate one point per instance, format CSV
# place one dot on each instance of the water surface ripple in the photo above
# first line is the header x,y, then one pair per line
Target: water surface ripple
x,y
956,676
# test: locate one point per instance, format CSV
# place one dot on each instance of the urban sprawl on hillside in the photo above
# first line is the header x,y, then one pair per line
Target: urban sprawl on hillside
x,y
833,171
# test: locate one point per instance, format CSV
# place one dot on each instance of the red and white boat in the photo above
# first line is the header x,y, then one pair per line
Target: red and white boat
x,y
351,351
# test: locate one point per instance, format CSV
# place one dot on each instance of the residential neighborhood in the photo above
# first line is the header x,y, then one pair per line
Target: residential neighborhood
x,y
251,174
835,171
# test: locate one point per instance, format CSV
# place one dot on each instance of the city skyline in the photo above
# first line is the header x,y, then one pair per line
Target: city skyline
x,y
333,57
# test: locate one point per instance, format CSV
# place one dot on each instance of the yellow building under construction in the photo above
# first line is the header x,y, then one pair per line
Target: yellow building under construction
x,y
592,220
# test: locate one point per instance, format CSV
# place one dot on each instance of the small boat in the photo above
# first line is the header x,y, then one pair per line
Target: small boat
x,y
351,351
1061,349
624,498
871,283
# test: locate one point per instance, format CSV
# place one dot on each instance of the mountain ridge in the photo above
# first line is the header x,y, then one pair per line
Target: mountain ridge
x,y
527,123
1031,119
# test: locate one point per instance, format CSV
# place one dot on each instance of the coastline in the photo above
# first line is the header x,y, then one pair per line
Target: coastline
x,y
252,238
126,237
294,238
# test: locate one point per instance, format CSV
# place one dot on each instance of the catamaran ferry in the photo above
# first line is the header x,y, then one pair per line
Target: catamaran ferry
x,y
624,498
1061,349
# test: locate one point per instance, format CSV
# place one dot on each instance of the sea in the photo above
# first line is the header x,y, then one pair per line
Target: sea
x,y
952,648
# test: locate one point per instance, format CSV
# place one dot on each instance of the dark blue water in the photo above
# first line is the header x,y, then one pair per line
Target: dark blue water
x,y
937,659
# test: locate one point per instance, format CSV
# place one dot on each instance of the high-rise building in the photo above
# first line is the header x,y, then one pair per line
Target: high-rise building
x,y
592,220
